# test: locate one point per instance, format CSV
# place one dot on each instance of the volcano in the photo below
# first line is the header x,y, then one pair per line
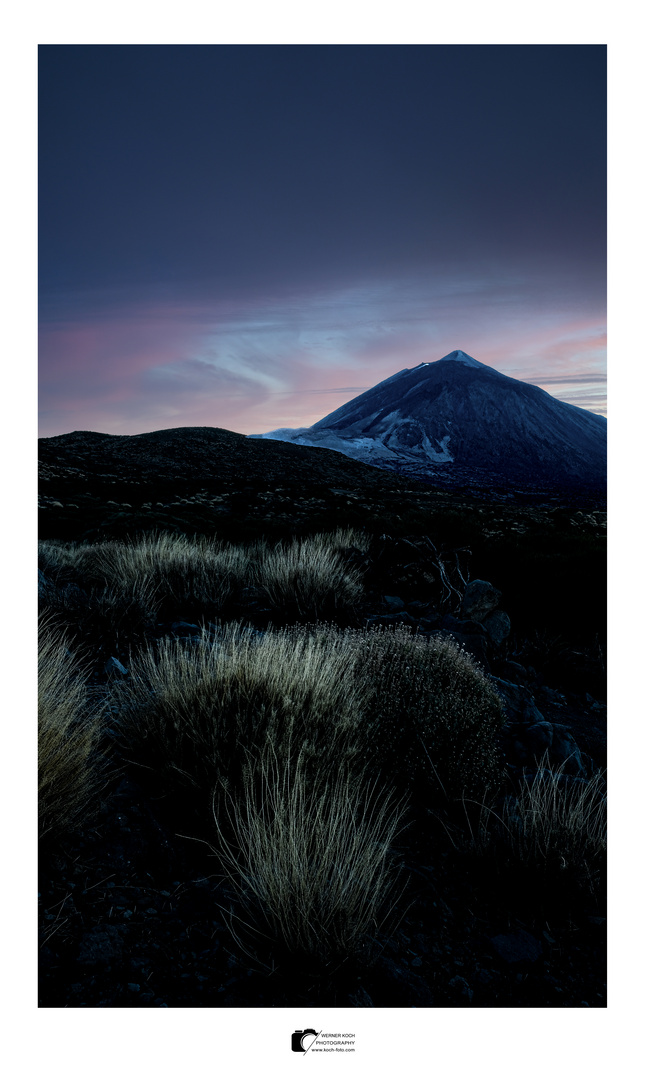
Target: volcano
x,y
458,420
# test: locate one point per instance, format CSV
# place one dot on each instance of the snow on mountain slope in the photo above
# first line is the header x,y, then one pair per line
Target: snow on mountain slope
x,y
456,414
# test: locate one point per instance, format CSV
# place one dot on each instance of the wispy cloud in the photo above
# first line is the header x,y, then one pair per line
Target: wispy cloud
x,y
263,363
569,380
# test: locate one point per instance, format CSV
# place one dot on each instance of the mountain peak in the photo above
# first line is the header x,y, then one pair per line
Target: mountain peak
x,y
476,423
460,357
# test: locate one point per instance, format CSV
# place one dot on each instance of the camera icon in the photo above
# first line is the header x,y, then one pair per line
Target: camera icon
x,y
297,1037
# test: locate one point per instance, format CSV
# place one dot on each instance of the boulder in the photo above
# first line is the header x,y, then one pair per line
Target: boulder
x,y
393,604
539,737
461,626
419,608
511,670
531,713
184,629
565,750
113,667
518,701
498,626
480,598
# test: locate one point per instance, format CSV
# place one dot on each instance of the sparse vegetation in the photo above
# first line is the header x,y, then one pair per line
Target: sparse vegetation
x,y
107,621
303,580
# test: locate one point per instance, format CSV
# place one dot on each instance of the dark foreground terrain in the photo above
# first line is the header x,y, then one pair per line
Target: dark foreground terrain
x,y
132,918
133,908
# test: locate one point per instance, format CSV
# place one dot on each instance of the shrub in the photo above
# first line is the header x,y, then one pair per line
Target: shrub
x,y
307,579
193,710
310,861
70,765
434,717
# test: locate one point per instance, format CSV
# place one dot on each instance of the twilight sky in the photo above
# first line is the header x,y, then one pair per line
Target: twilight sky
x,y
249,236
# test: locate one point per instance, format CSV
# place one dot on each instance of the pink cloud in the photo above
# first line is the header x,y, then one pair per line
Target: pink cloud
x,y
262,364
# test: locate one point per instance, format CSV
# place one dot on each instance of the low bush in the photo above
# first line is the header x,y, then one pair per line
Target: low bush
x,y
303,579
194,710
310,859
71,767
434,717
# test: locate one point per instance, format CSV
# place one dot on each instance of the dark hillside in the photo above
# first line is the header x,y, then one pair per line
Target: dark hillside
x,y
546,551
214,455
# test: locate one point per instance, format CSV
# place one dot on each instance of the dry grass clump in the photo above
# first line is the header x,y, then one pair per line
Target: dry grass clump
x,y
185,575
190,576
109,620
70,562
194,710
433,717
56,560
307,579
310,859
70,765
303,579
556,825
341,539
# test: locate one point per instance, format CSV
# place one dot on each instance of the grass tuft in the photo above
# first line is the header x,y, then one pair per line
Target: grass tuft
x,y
189,576
194,710
307,579
70,764
555,826
311,861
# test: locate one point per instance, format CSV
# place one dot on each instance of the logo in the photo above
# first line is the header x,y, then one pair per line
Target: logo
x,y
297,1040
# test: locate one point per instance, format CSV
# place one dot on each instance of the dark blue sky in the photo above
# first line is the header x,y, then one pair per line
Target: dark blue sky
x,y
234,228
